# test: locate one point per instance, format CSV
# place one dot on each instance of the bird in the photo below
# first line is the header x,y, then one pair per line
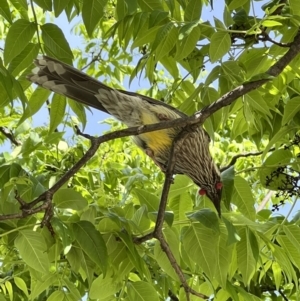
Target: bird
x,y
193,157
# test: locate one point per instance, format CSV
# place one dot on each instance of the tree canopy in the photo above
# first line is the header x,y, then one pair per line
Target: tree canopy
x,y
77,212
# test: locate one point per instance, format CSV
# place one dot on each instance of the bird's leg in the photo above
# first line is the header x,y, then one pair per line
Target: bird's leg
x,y
149,152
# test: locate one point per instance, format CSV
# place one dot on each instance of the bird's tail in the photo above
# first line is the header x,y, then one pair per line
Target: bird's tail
x,y
66,80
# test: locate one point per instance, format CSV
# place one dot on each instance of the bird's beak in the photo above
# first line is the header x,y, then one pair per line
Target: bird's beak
x,y
217,201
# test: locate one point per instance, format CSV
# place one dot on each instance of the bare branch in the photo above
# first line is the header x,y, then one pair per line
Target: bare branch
x,y
283,295
24,213
245,155
265,37
8,134
264,202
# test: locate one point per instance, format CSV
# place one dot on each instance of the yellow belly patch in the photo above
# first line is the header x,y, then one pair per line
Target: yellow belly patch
x,y
155,140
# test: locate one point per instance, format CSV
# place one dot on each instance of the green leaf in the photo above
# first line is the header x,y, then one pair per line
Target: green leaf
x,y
180,204
295,6
20,283
292,232
245,259
41,284
167,43
242,197
160,256
201,245
37,99
4,10
79,110
141,291
157,17
219,45
108,282
233,236
22,7
121,10
150,5
227,177
255,61
138,23
9,289
234,4
193,10
66,198
92,243
7,81
240,125
56,296
188,43
287,245
257,102
56,42
224,256
63,231
24,59
32,248
145,37
271,23
140,219
59,6
292,107
279,157
57,111
207,218
74,293
92,12
18,37
148,199
278,137
181,184
162,34
277,272
163,261
283,259
44,4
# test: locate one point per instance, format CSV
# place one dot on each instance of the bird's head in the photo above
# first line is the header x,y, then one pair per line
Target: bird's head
x,y
214,193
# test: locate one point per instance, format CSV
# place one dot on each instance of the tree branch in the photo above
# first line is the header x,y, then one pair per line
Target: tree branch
x,y
158,233
245,155
265,201
198,118
8,134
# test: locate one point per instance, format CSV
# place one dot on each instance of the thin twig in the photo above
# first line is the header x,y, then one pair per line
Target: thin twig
x,y
282,295
264,202
245,155
36,24
8,134
20,200
265,37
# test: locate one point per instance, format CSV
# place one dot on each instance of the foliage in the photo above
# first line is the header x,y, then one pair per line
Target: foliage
x,y
191,53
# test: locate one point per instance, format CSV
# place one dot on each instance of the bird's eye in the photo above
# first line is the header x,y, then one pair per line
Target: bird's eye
x,y
202,191
219,185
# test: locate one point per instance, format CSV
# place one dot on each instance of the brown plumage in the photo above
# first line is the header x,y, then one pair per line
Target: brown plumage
x,y
192,152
